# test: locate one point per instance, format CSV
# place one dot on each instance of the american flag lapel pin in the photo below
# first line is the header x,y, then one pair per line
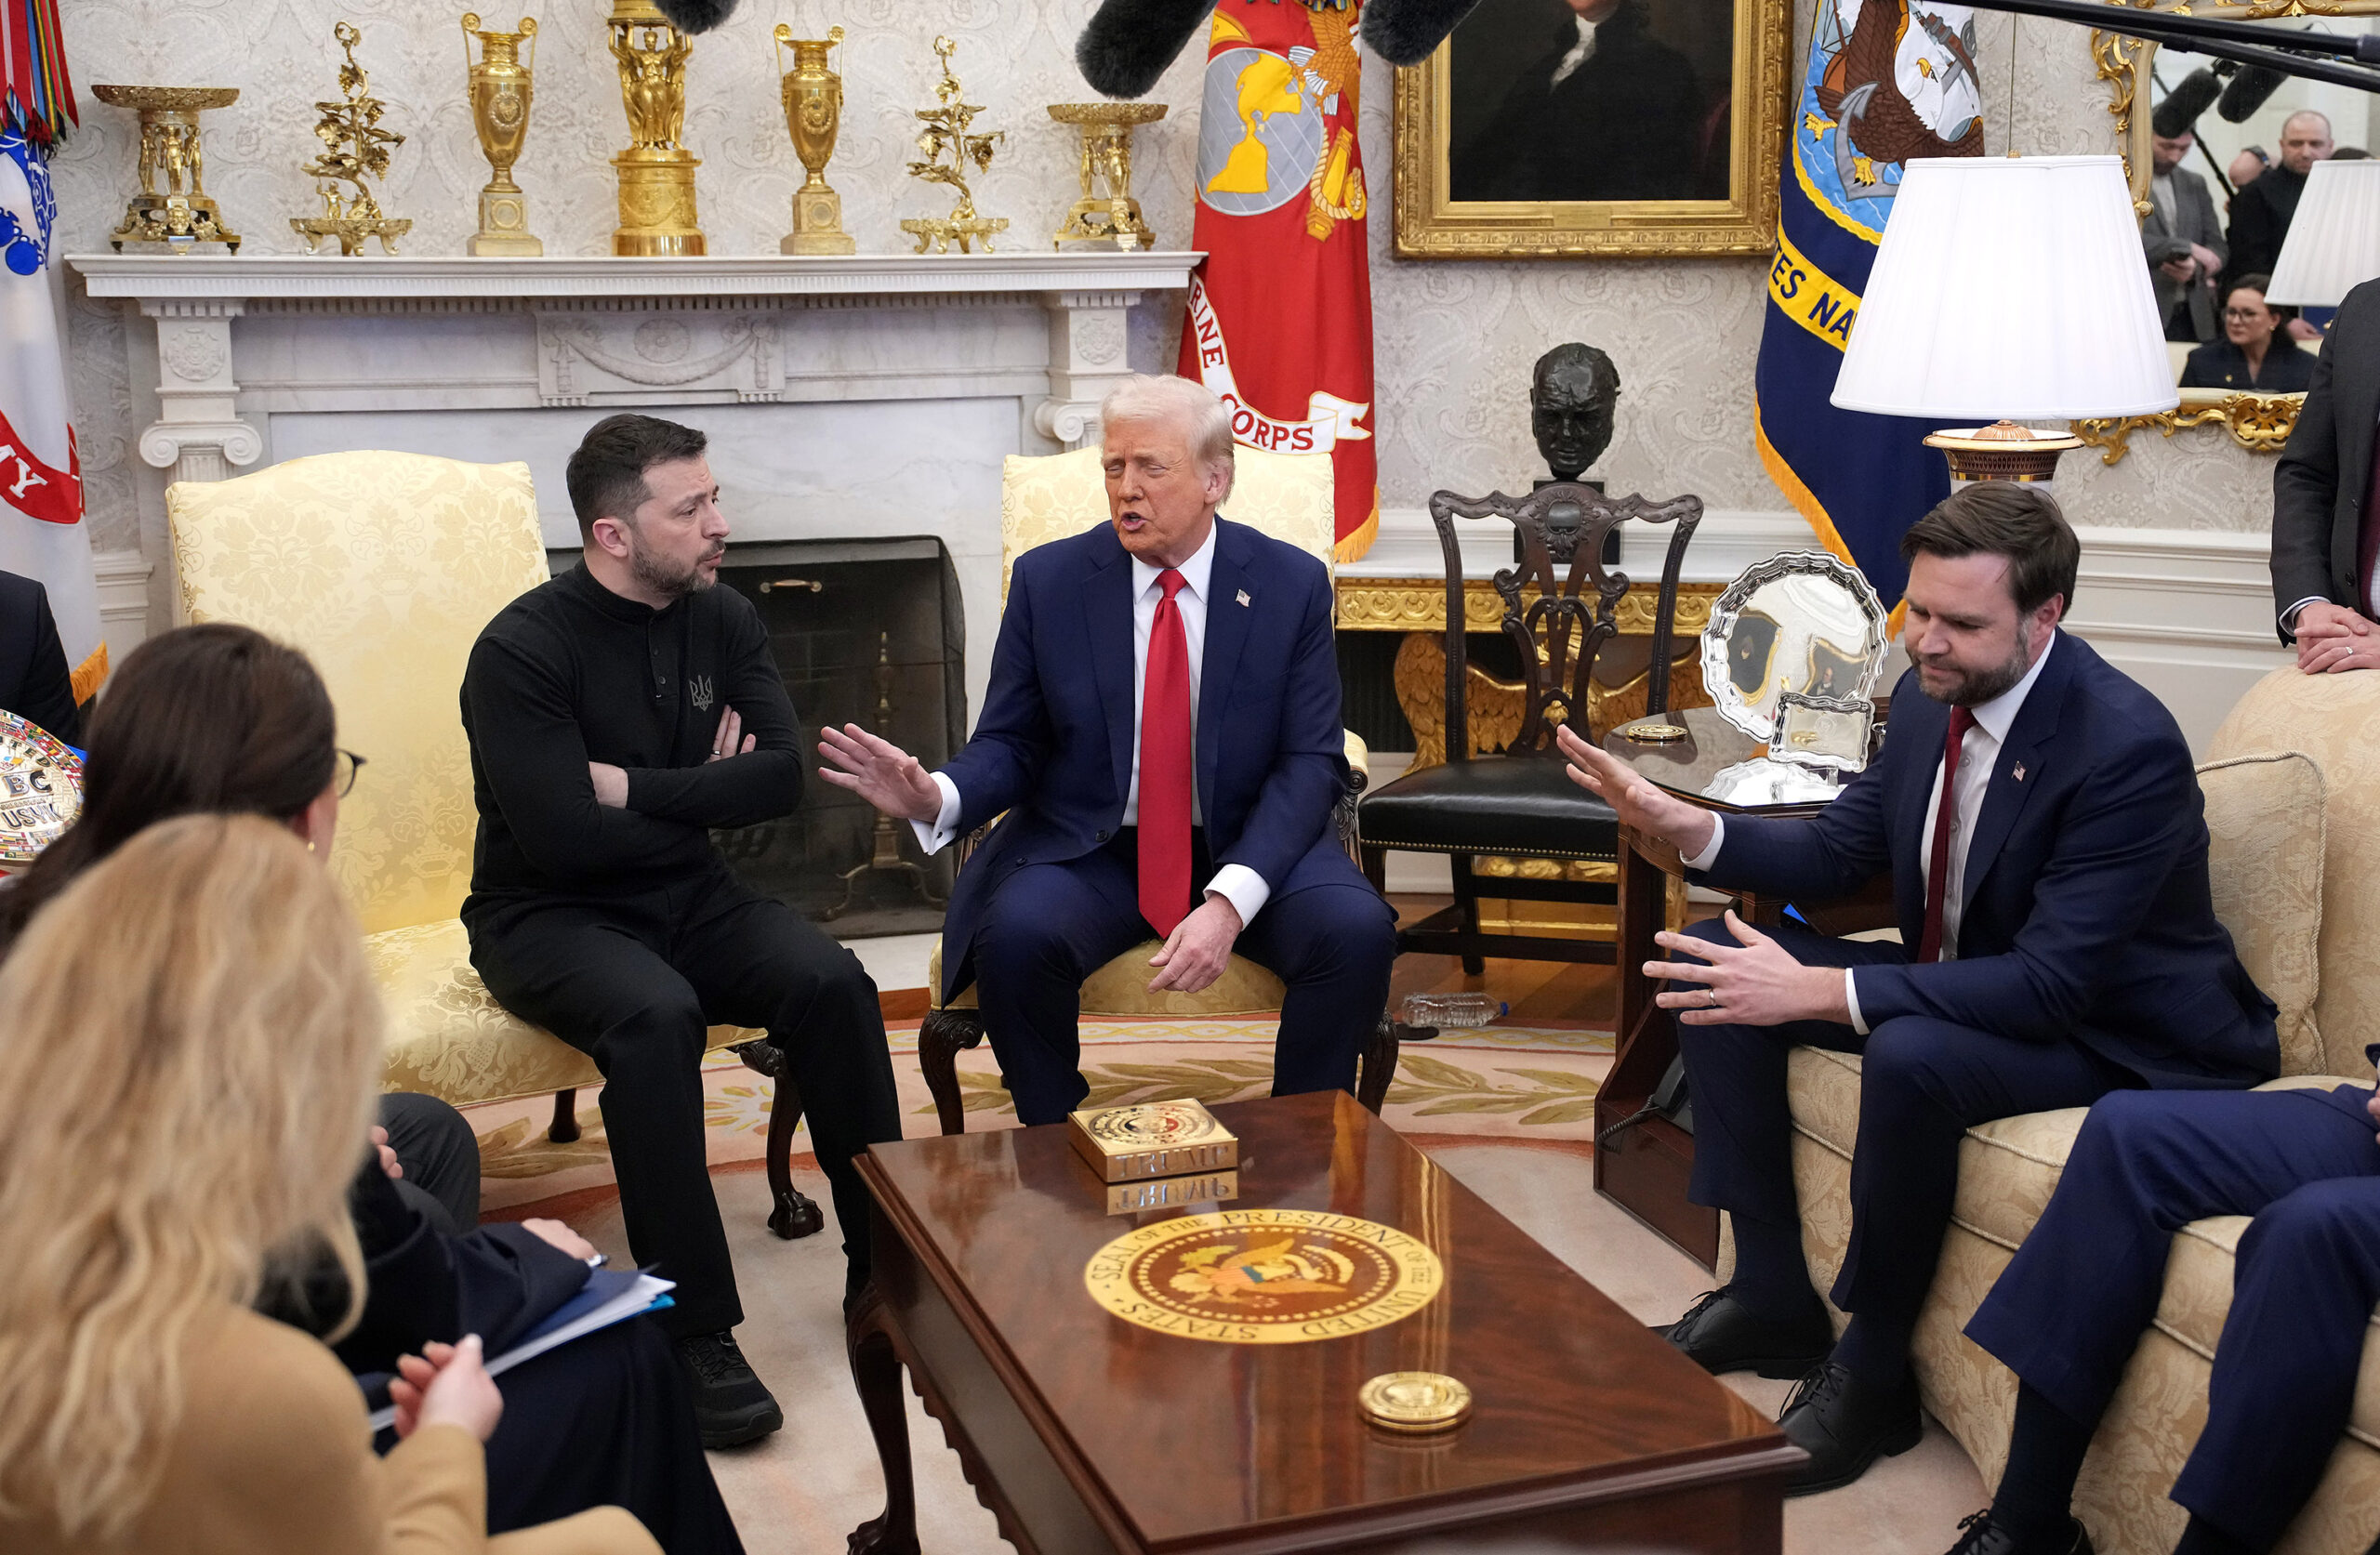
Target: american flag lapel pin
x,y
1243,596
2019,774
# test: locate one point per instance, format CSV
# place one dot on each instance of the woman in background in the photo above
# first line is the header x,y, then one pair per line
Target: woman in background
x,y
2256,352
189,1063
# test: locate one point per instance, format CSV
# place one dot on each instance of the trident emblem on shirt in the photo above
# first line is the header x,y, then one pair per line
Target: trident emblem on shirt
x,y
698,692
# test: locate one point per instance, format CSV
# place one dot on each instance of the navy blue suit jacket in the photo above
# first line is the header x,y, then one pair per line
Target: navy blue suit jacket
x,y
1054,745
2087,910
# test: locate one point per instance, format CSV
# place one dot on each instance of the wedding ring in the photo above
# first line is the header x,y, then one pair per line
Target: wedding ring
x,y
1714,996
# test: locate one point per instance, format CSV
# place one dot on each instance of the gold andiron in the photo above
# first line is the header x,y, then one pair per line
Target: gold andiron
x,y
947,131
355,148
501,88
814,113
172,206
657,174
1106,153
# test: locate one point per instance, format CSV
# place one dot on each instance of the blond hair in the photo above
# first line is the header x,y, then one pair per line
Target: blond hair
x,y
186,1079
1204,419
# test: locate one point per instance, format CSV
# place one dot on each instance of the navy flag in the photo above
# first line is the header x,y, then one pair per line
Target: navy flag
x,y
1888,80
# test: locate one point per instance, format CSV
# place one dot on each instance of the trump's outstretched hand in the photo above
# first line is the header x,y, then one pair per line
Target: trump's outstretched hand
x,y
880,772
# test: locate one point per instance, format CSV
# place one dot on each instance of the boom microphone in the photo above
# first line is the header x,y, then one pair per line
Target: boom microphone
x,y
2178,113
2248,91
696,16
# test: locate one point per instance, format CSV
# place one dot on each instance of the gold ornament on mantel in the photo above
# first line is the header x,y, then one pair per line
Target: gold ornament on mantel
x,y
813,115
946,130
178,214
657,174
502,89
355,148
1107,152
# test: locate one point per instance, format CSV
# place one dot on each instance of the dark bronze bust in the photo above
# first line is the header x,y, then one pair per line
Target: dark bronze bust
x,y
1572,395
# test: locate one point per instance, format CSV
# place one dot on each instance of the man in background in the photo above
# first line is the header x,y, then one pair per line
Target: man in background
x,y
1606,113
34,681
2181,235
2261,213
2325,509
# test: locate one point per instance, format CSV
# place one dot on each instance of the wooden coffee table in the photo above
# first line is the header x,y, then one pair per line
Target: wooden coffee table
x,y
1084,1433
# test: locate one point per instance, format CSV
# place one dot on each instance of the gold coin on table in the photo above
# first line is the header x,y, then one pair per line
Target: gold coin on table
x,y
1653,734
1414,1401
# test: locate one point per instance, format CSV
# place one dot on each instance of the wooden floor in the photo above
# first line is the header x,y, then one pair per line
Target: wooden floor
x,y
1538,991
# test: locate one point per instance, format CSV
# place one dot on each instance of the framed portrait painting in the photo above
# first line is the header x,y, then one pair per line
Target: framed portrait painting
x,y
1557,129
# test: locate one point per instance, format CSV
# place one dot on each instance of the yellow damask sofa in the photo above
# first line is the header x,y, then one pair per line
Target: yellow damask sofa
x,y
2296,875
383,567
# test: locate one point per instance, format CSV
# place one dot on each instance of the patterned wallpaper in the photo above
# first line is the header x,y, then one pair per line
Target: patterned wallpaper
x,y
1455,341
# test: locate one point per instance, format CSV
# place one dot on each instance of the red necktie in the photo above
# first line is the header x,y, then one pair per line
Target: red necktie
x,y
1938,874
1165,767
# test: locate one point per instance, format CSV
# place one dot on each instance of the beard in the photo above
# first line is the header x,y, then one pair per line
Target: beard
x,y
1976,687
664,576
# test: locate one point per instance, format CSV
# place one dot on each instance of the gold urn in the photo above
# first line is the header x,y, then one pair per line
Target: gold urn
x,y
813,114
501,88
657,174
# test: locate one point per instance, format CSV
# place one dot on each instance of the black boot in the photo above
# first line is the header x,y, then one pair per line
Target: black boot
x,y
1720,1333
1978,1534
1846,1424
731,1404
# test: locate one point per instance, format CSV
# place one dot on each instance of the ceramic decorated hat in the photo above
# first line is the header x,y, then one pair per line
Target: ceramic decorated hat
x,y
41,790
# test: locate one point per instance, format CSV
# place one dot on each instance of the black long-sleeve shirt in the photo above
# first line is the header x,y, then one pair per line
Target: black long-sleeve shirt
x,y
571,673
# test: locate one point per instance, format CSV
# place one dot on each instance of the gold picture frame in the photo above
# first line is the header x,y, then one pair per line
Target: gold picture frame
x,y
1432,224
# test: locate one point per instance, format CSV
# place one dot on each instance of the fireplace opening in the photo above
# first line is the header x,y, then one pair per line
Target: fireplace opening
x,y
868,632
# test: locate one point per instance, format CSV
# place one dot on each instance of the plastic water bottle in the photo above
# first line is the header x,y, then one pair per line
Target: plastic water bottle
x,y
1441,1012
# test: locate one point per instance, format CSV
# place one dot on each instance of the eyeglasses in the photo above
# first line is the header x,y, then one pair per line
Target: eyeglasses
x,y
2246,315
345,765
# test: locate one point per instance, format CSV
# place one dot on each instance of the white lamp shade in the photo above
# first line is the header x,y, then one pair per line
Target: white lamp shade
x,y
2010,287
2333,242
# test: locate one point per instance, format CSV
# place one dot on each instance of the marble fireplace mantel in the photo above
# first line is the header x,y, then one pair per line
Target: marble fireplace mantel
x,y
848,397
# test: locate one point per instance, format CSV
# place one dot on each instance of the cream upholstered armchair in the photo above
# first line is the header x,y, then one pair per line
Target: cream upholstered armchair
x,y
1287,496
383,567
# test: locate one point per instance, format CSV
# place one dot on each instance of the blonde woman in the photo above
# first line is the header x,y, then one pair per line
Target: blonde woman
x,y
187,1066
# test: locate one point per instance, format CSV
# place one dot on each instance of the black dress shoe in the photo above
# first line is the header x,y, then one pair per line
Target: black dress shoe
x,y
1845,1424
1719,1334
731,1404
1978,1534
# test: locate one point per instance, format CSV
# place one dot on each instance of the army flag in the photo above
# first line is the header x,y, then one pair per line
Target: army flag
x,y
41,532
1888,80
1280,310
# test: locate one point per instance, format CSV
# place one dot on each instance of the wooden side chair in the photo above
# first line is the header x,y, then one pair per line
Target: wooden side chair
x,y
1287,496
1560,606
382,569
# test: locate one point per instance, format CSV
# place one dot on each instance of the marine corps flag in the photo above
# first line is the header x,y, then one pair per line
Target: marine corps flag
x,y
1280,315
1888,80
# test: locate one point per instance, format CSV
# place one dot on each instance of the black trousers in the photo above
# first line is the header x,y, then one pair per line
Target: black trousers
x,y
1923,1084
441,1157
634,982
1049,926
2069,1309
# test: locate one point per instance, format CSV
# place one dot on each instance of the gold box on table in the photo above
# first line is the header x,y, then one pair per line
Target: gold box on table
x,y
1152,1139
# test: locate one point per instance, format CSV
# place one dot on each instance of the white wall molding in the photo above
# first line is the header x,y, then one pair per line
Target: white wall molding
x,y
123,600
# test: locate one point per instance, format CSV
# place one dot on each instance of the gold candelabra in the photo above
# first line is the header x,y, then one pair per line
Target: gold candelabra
x,y
813,115
355,148
1113,217
947,131
502,89
657,174
172,206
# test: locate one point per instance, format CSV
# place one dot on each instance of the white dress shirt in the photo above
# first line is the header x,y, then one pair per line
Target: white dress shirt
x,y
1977,754
1238,884
1581,52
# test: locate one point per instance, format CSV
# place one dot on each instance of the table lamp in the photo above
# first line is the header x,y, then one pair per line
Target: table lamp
x,y
2011,288
2333,242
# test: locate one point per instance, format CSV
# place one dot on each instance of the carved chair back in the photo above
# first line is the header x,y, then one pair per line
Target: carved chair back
x,y
1561,603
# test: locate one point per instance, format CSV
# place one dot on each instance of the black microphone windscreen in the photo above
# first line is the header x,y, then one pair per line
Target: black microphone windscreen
x,y
696,16
2182,106
2248,92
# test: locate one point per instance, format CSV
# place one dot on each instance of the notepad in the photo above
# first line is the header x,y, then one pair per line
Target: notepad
x,y
610,1296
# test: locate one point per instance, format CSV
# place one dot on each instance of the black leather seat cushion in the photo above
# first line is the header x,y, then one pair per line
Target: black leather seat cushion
x,y
1491,804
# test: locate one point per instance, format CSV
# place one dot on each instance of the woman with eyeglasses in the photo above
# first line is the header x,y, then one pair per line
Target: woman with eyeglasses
x,y
220,718
2256,352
